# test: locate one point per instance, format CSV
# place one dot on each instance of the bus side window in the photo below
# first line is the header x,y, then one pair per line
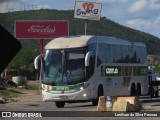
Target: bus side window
x,y
98,62
90,68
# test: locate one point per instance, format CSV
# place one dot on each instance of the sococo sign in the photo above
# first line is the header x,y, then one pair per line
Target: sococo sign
x,y
87,10
39,29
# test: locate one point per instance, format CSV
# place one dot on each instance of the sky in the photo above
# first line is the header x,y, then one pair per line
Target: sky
x,y
142,15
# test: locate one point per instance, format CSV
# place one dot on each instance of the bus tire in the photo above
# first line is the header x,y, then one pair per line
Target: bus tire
x,y
138,89
152,95
133,90
60,104
151,91
99,93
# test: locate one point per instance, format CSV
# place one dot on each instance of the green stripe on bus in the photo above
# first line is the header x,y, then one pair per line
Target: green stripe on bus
x,y
67,87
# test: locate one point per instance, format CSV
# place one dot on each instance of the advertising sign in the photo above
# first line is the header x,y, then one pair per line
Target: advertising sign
x,y
32,29
87,10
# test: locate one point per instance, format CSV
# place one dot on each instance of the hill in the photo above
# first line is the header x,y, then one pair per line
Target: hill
x,y
76,27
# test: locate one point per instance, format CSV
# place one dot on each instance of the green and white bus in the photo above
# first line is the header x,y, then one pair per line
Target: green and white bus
x,y
82,68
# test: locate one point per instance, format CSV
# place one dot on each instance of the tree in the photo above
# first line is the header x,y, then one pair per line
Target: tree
x,y
25,57
155,63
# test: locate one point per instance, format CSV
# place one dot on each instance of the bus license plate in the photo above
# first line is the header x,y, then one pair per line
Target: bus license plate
x,y
63,97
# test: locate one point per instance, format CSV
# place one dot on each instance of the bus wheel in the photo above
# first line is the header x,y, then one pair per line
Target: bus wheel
x,y
138,89
157,92
100,93
151,91
133,90
60,104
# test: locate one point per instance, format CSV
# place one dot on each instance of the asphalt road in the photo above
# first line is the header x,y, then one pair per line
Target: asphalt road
x,y
149,104
78,111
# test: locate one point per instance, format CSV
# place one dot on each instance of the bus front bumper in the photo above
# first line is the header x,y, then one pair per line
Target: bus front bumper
x,y
70,96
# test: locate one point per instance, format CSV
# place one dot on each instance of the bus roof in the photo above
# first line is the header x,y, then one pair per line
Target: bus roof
x,y
83,40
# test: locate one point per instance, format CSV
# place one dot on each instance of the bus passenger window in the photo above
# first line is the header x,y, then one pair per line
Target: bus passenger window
x,y
90,68
98,62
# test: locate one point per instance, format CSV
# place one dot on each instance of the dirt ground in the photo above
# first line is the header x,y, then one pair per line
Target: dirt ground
x,y
25,96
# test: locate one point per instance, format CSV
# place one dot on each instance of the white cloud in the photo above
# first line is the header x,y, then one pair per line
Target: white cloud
x,y
112,1
9,6
148,26
154,4
3,7
138,23
157,22
42,7
138,6
117,1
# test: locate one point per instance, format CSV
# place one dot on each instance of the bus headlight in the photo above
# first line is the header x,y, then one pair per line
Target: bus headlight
x,y
84,95
81,88
85,86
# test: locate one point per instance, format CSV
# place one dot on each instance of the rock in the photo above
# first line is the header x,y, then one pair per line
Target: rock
x,y
135,104
2,88
121,105
128,104
101,104
2,101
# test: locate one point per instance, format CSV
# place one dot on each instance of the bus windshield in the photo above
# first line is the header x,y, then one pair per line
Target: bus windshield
x,y
63,67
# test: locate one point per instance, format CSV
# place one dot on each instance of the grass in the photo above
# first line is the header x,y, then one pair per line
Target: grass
x,y
9,93
12,92
32,87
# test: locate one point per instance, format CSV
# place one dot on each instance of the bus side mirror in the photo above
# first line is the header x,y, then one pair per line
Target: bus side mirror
x,y
87,58
36,61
